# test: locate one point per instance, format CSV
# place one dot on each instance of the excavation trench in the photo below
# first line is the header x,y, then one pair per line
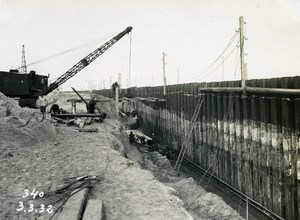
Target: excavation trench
x,y
201,187
134,183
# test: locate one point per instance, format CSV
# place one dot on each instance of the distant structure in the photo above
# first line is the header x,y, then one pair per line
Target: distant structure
x,y
23,62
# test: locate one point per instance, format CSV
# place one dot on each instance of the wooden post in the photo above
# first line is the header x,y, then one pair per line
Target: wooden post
x,y
117,101
164,74
244,75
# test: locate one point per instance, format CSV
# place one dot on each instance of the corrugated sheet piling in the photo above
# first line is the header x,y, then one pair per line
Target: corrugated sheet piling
x,y
248,138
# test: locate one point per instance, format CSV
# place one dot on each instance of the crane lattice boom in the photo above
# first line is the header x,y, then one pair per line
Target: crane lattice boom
x,y
85,61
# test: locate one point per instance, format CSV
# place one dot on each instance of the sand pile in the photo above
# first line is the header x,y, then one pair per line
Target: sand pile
x,y
202,204
161,161
10,107
12,137
107,107
42,131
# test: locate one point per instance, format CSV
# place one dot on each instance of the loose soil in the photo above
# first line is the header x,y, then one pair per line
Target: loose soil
x,y
43,156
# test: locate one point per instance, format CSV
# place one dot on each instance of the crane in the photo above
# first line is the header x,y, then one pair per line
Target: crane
x,y
28,87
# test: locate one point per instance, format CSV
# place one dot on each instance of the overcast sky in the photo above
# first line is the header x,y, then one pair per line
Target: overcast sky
x,y
192,33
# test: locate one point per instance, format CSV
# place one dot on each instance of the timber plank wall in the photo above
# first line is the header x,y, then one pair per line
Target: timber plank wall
x,y
250,141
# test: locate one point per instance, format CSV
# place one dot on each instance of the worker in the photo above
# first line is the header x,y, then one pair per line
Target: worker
x,y
142,139
152,142
131,138
43,103
114,86
55,109
91,106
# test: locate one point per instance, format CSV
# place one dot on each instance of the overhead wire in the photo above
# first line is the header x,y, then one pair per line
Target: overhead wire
x,y
236,67
226,48
221,54
214,70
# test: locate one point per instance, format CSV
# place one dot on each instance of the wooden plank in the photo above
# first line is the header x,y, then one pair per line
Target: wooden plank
x,y
73,208
255,145
239,147
83,115
177,110
297,156
220,128
191,112
287,154
196,134
201,132
226,162
94,210
262,152
205,133
214,134
276,155
232,144
269,160
247,156
82,122
181,107
296,149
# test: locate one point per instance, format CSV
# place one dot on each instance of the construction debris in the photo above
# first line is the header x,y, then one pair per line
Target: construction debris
x,y
91,130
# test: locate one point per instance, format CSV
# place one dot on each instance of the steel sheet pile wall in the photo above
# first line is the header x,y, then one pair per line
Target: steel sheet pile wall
x,y
250,141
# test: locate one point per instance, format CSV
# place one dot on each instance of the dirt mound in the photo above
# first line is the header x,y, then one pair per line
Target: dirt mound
x,y
108,107
161,161
10,107
201,203
12,136
42,131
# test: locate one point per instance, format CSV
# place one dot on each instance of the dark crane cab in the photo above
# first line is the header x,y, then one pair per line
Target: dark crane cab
x,y
26,87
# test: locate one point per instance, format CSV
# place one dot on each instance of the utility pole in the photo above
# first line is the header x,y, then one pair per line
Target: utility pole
x,y
23,62
120,80
129,63
177,75
244,74
117,101
164,73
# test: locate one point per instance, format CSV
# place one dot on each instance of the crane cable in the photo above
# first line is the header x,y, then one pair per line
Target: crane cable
x,y
69,50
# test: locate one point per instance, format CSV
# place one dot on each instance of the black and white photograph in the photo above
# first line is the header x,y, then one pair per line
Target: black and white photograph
x,y
150,110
